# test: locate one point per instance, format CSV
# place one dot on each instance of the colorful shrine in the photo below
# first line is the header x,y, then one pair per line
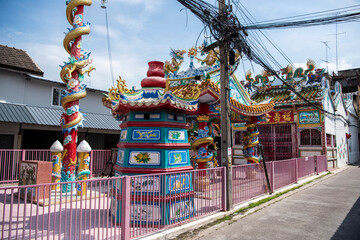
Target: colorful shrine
x,y
171,114
154,139
296,127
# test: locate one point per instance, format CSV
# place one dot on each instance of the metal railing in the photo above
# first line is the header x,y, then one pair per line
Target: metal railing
x,y
10,159
249,181
120,207
133,206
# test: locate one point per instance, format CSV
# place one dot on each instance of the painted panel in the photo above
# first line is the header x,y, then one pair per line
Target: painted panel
x,y
145,158
239,126
309,117
123,135
150,184
179,183
177,135
181,210
178,157
145,135
143,212
120,157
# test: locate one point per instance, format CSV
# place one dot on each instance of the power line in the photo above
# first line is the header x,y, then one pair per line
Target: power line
x,y
227,28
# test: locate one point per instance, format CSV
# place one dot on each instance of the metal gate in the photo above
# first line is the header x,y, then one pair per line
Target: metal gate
x,y
279,141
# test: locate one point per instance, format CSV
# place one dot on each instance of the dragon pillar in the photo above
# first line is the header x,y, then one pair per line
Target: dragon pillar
x,y
72,74
202,142
251,141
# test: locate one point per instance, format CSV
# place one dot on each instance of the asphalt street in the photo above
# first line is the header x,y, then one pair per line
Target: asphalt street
x,y
329,209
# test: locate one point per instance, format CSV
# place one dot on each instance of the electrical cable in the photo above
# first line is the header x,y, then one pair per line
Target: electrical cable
x,y
225,27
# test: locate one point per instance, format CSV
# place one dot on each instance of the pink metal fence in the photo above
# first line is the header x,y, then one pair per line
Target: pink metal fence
x,y
35,211
283,173
321,164
148,203
100,159
305,166
10,159
249,181
37,154
145,203
165,200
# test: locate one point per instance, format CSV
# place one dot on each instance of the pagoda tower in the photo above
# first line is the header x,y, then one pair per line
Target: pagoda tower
x,y
154,139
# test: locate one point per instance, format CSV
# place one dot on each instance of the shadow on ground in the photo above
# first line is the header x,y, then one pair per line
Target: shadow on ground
x,y
350,227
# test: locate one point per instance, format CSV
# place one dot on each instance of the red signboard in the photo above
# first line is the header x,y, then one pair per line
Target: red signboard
x,y
281,117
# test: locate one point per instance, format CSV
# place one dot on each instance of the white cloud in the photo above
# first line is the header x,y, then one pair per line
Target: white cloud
x,y
101,30
130,22
11,34
149,5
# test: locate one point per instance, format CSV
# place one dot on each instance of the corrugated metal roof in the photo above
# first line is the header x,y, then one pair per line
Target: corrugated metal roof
x,y
15,113
46,116
100,121
51,116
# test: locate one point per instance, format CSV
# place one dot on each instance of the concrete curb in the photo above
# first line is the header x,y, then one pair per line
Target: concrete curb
x,y
173,233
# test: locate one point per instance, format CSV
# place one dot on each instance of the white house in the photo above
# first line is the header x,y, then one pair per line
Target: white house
x,y
30,107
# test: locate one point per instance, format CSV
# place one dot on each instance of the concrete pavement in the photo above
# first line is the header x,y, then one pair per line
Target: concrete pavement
x,y
328,209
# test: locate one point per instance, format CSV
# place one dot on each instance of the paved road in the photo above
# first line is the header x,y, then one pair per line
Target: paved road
x,y
329,209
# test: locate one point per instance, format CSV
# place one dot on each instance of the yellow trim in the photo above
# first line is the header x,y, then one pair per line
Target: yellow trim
x,y
71,98
201,160
74,34
199,141
72,4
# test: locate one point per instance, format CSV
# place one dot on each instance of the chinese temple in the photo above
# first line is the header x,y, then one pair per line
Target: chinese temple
x,y
299,128
172,113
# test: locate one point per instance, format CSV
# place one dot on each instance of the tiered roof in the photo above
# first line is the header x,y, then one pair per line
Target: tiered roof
x,y
281,95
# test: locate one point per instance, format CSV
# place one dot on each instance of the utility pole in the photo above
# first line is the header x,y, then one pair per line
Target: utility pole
x,y
226,157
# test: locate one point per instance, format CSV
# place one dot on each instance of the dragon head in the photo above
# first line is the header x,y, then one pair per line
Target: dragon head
x,y
177,54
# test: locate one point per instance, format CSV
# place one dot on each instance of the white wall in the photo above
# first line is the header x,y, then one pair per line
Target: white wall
x,y
12,86
341,129
19,88
354,153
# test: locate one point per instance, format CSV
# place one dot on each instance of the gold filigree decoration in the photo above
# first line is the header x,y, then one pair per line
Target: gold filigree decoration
x,y
192,52
211,57
114,93
191,92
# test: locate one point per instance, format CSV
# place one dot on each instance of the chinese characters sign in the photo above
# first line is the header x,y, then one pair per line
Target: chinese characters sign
x,y
281,117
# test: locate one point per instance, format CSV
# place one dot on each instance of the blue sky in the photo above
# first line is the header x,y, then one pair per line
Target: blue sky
x,y
145,30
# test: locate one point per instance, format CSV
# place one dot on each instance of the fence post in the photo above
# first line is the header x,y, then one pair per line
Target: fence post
x,y
316,165
327,165
296,170
23,155
273,176
125,208
91,163
223,204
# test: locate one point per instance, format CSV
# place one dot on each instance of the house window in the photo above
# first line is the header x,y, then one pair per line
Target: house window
x,y
56,97
329,140
310,137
